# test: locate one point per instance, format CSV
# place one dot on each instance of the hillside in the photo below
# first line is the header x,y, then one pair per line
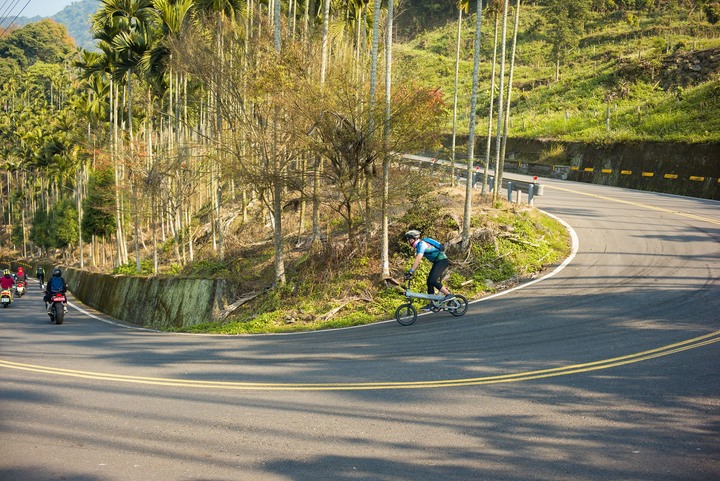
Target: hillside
x,y
75,17
634,76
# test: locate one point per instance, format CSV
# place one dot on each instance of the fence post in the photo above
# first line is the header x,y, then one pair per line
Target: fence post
x,y
509,189
530,194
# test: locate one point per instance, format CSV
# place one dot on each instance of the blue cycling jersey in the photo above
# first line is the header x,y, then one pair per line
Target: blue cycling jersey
x,y
430,252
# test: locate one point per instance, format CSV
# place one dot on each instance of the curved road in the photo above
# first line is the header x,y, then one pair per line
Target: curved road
x,y
607,370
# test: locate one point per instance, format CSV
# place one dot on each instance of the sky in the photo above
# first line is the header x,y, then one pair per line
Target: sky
x,y
43,8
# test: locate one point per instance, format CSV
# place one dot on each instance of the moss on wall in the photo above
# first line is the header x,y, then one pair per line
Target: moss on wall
x,y
154,302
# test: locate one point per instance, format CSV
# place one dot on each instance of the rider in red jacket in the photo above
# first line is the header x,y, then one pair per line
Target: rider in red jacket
x,y
6,281
21,276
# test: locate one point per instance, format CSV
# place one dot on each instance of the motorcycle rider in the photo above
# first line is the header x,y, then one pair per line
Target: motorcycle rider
x,y
7,281
55,284
21,276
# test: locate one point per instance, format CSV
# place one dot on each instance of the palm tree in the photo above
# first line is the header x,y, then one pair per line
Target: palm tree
x,y
154,65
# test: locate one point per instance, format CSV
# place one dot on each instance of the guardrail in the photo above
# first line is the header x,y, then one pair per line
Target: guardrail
x,y
514,187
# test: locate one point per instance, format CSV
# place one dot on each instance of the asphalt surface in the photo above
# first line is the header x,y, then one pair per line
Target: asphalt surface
x,y
605,370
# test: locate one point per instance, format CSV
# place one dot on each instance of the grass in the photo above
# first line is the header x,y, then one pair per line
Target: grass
x,y
610,90
340,286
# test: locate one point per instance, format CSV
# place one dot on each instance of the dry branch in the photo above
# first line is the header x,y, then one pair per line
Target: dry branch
x,y
235,305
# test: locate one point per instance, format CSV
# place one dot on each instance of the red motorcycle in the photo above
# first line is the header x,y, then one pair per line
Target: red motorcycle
x,y
57,309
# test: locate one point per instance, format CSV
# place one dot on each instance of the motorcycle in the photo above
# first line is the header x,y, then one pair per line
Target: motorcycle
x,y
20,288
6,297
57,309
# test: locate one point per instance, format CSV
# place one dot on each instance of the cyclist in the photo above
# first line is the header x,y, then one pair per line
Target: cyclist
x,y
54,285
439,261
40,274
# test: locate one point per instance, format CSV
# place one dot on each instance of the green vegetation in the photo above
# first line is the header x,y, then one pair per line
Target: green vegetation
x,y
635,75
340,286
196,144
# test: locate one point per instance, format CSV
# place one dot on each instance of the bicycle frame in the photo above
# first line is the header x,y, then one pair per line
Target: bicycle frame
x,y
410,295
406,313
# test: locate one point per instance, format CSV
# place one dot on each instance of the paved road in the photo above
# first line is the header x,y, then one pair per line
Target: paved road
x,y
605,371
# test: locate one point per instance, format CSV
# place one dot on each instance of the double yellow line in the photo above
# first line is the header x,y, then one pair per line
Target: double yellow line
x,y
667,350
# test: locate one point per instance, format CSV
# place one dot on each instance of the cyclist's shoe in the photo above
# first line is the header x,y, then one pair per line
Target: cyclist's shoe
x,y
428,307
449,297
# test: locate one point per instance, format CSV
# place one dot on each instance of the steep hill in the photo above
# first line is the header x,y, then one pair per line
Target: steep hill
x,y
75,17
633,76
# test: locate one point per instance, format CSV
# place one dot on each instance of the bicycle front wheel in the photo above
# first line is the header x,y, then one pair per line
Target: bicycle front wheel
x,y
457,306
406,314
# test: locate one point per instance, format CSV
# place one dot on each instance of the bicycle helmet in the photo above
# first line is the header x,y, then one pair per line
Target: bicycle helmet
x,y
412,234
57,273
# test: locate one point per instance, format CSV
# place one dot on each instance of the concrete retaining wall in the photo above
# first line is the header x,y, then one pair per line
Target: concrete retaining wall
x,y
153,302
674,168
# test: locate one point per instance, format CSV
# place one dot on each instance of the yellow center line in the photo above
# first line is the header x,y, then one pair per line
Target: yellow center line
x,y
667,350
637,204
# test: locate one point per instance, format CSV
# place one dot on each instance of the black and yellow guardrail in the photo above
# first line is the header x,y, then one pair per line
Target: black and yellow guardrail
x,y
642,173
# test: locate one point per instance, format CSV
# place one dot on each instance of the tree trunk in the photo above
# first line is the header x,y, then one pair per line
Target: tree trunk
x,y
78,197
455,96
471,136
303,203
510,80
500,116
318,160
557,69
316,237
486,164
120,236
385,250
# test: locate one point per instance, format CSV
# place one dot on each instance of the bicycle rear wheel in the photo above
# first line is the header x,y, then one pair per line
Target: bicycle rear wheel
x,y
457,306
406,314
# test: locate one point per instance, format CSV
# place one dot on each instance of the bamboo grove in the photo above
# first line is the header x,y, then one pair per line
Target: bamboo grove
x,y
196,114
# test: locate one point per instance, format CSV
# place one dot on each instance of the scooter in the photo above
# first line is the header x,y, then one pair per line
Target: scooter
x,y
6,297
20,288
57,309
